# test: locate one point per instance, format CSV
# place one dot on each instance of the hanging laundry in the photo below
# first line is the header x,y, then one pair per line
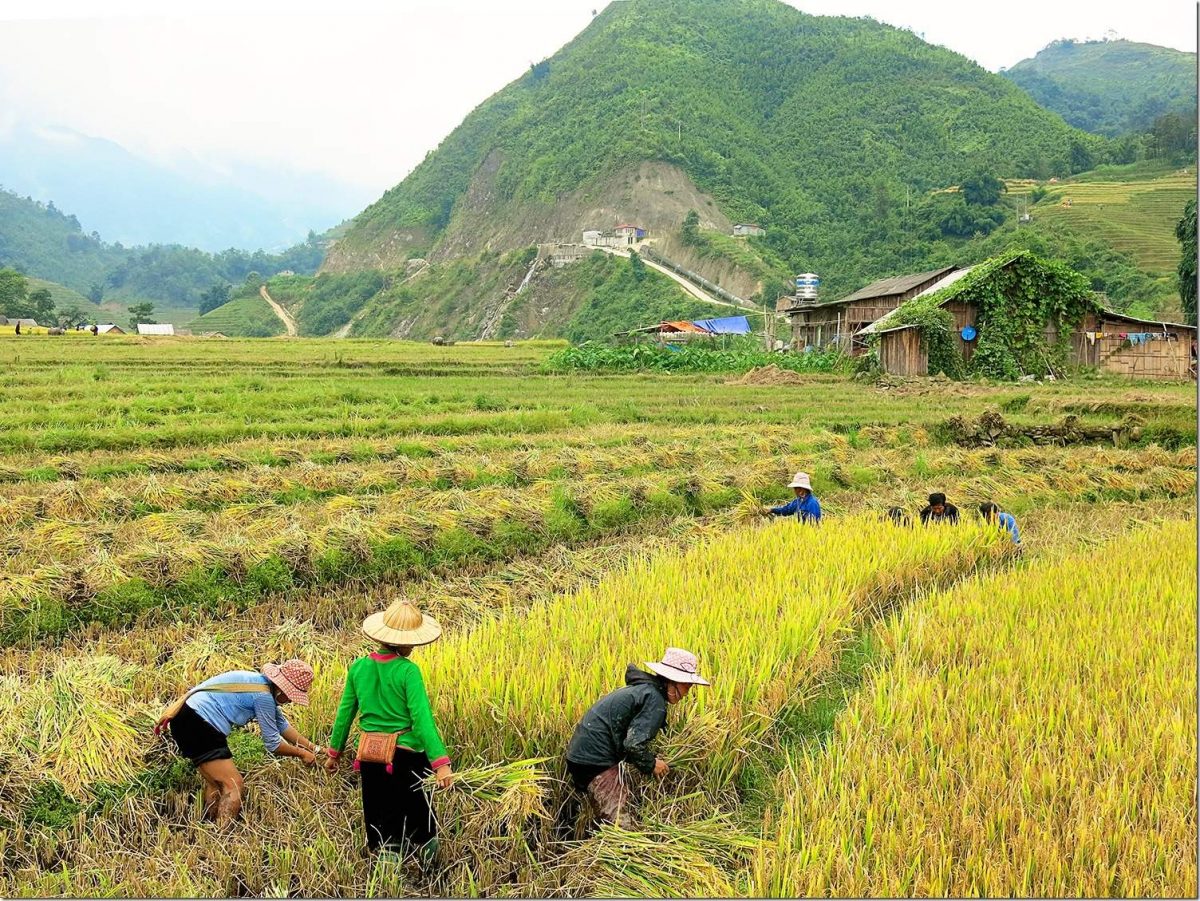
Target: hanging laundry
x,y
1091,336
1136,338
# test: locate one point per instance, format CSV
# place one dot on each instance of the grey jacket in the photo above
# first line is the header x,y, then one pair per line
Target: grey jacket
x,y
621,725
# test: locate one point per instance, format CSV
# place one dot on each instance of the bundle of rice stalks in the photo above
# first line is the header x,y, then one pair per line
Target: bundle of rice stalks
x,y
699,859
156,462
58,541
227,460
18,509
65,467
291,455
154,562
75,501
176,526
79,732
154,493
103,570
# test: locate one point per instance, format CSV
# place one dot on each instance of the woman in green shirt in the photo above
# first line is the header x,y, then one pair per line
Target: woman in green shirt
x,y
385,690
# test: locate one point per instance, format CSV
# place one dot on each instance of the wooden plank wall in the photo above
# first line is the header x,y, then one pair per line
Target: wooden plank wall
x,y
901,353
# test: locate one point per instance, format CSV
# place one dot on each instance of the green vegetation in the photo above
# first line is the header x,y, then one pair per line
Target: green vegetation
x,y
40,240
332,299
751,255
735,356
245,317
815,127
1110,87
1185,230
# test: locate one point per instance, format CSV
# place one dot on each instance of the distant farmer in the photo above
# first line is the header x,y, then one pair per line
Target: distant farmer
x,y
201,721
803,506
996,517
399,745
618,729
939,511
898,516
95,329
18,327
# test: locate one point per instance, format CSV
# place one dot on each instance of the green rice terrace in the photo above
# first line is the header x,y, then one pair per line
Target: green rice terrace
x,y
171,508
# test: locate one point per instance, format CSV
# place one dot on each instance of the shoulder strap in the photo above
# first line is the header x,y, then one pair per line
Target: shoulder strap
x,y
173,710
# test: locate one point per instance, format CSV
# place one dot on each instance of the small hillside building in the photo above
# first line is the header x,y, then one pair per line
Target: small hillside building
x,y
748,229
838,322
596,238
630,234
109,329
155,328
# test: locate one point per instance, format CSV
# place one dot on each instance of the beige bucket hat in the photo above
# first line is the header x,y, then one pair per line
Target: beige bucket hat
x,y
402,625
800,480
679,665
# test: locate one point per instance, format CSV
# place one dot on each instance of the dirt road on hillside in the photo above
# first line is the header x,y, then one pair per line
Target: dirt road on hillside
x,y
284,316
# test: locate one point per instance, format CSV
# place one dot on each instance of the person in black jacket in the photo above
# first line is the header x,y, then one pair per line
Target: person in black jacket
x,y
939,510
619,729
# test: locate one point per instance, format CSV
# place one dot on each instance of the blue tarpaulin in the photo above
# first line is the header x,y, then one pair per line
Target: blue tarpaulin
x,y
730,325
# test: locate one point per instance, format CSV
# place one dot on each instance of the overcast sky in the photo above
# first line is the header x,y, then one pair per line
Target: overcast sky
x,y
363,93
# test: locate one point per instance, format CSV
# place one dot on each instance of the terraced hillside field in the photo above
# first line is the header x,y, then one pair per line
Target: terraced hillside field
x,y
1136,217
894,710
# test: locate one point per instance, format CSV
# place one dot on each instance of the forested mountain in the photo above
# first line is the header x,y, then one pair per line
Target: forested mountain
x,y
816,127
1110,87
41,240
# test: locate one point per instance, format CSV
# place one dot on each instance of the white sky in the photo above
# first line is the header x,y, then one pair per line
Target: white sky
x,y
363,93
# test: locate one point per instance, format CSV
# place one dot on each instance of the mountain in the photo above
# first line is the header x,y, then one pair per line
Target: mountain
x,y
1110,87
829,132
42,241
132,200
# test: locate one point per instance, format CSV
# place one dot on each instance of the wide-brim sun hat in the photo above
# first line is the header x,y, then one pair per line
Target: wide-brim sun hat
x,y
402,625
293,677
800,480
679,665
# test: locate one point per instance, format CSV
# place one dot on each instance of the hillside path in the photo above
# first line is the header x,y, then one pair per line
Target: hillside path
x,y
695,290
284,316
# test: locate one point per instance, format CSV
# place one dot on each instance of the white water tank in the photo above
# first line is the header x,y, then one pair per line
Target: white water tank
x,y
807,286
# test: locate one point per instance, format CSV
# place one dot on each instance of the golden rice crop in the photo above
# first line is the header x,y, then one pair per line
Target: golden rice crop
x,y
1031,735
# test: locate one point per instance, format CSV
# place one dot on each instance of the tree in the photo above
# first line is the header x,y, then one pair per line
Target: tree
x,y
141,312
982,189
95,292
253,280
41,305
216,295
636,266
70,317
14,293
1185,231
691,228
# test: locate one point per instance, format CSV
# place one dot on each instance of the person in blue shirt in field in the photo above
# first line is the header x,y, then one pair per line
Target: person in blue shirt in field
x,y
803,506
995,516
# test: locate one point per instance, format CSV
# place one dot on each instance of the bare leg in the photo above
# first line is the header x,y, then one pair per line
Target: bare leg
x,y
212,794
229,786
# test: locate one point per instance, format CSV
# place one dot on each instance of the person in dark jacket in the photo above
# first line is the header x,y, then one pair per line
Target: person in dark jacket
x,y
939,510
803,506
619,729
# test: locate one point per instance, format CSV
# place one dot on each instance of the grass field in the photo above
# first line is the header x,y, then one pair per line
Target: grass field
x,y
893,711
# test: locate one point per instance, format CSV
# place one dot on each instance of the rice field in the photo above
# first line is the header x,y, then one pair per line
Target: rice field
x,y
894,711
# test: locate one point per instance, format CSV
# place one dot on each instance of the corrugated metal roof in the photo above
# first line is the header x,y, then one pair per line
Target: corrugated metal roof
x,y
156,328
896,284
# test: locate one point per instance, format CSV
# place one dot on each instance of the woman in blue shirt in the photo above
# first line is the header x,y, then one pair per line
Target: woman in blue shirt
x,y
803,506
996,517
201,722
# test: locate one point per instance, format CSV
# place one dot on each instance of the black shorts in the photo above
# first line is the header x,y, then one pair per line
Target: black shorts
x,y
582,774
198,740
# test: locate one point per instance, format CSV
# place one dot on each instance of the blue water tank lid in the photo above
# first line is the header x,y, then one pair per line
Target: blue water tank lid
x,y
968,333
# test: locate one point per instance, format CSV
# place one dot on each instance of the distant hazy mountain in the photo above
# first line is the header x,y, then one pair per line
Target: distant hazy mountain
x,y
135,201
1109,87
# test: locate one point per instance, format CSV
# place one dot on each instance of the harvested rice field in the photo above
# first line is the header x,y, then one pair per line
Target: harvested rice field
x,y
894,710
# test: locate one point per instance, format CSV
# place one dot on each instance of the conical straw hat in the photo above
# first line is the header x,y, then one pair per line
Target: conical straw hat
x,y
402,624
